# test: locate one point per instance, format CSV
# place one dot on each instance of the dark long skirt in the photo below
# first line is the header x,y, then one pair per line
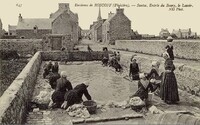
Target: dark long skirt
x,y
169,88
135,76
58,98
72,98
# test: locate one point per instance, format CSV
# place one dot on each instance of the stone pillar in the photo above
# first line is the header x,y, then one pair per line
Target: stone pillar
x,y
67,43
46,43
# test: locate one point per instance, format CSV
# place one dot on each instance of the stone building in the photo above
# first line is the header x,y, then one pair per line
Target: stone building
x,y
184,33
135,35
1,29
29,28
85,33
116,27
96,28
62,22
147,36
12,30
65,22
164,33
79,32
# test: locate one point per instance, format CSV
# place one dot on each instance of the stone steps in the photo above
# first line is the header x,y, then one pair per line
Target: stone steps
x,y
39,117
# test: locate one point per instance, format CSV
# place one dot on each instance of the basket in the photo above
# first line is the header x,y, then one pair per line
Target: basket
x,y
91,106
169,39
137,108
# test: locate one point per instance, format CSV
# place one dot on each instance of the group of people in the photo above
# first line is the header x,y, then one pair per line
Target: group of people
x,y
113,62
64,94
50,68
165,83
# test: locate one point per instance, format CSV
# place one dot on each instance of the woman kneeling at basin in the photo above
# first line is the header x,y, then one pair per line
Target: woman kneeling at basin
x,y
144,86
63,85
75,96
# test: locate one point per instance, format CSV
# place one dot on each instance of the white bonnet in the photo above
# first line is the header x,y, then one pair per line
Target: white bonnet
x,y
63,74
141,75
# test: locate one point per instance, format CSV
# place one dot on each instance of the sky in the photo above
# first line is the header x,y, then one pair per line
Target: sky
x,y
146,20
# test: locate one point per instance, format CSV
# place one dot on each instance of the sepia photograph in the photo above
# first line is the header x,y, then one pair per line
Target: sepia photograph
x,y
73,62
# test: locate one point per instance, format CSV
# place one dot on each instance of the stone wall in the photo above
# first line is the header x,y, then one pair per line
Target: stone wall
x,y
73,56
186,49
187,76
99,33
14,101
30,34
22,46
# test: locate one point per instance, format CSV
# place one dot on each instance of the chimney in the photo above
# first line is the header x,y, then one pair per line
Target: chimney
x,y
110,14
51,15
64,6
120,11
20,18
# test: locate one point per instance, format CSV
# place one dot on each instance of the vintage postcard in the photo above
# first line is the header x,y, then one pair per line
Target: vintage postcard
x,y
99,62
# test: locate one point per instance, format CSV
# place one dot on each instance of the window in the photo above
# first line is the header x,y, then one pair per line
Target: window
x,y
35,28
22,37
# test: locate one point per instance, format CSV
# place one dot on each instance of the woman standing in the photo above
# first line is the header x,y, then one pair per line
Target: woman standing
x,y
169,48
169,87
134,69
55,67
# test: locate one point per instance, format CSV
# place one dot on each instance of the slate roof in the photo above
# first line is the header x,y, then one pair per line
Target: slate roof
x,y
59,12
110,18
29,23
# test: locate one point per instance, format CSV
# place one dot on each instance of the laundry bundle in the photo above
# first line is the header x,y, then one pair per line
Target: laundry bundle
x,y
78,110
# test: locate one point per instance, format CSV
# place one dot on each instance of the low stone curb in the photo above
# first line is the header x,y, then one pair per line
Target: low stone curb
x,y
98,119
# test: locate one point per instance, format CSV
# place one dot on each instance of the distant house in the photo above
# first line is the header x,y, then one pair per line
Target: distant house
x,y
33,28
184,33
62,22
12,30
96,28
85,33
116,27
135,35
164,33
147,36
